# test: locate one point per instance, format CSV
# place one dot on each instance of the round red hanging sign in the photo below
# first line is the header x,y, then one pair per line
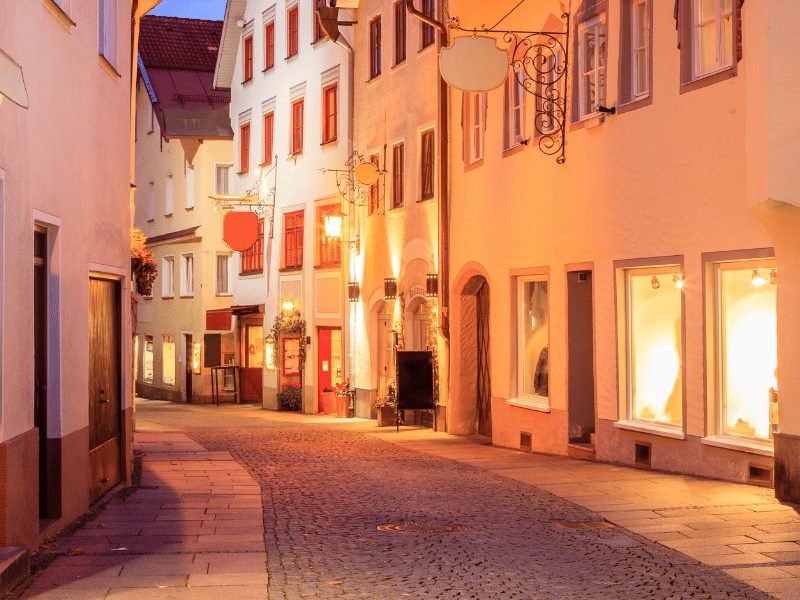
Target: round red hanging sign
x,y
240,230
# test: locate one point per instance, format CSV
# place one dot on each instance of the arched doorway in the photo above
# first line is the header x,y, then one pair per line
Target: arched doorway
x,y
474,347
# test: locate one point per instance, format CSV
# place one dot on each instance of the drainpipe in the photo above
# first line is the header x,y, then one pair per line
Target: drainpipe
x,y
444,180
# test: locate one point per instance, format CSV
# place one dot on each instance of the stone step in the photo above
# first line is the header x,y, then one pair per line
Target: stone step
x,y
581,450
14,567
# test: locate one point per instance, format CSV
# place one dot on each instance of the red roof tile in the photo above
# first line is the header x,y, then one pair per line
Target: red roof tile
x,y
179,43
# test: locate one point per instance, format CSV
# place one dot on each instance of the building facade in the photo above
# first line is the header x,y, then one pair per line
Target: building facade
x,y
65,208
290,112
184,155
634,294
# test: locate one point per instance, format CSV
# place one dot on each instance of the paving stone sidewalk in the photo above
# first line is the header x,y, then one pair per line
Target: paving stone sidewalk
x,y
193,530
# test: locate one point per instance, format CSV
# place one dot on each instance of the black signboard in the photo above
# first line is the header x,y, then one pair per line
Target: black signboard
x,y
415,380
213,354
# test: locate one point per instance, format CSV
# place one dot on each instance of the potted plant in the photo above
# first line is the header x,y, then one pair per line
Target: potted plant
x,y
343,397
290,397
386,405
327,400
144,268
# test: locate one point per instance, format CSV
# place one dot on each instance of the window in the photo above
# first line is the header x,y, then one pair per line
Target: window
x,y
221,174
151,201
223,265
374,191
187,275
269,136
247,58
150,120
428,32
168,360
746,348
168,195
292,43
514,115
167,277
591,66
399,32
635,48
107,30
533,340
244,148
653,347
330,250
189,187
293,240
712,36
329,113
318,33
253,257
426,165
297,126
398,173
269,45
474,107
375,50
147,360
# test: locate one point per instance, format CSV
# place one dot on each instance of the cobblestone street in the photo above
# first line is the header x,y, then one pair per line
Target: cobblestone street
x,y
347,514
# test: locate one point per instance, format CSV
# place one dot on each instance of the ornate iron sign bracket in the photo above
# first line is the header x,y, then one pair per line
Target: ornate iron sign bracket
x,y
540,60
348,185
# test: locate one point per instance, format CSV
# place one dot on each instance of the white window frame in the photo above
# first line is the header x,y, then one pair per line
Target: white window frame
x,y
217,271
515,108
168,277
640,49
190,191
696,25
218,167
169,193
151,201
597,23
107,30
522,398
187,275
476,126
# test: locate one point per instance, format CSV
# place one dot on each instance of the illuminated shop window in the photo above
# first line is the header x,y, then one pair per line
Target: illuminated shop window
x,y
747,348
654,349
168,360
147,359
533,339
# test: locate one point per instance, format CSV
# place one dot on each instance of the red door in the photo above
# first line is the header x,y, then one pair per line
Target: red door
x,y
327,399
253,353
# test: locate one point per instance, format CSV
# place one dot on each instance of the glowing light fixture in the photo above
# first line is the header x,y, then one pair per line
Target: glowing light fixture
x,y
269,353
678,281
432,285
353,291
757,279
196,350
287,306
655,282
773,277
333,226
390,288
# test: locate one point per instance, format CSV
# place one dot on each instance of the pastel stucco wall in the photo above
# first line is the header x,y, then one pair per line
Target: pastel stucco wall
x,y
156,159
65,163
668,179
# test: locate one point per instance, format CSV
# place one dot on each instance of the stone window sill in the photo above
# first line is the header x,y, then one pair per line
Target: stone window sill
x,y
537,403
760,447
652,428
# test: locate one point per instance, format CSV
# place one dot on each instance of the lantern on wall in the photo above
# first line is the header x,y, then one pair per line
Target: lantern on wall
x,y
353,291
431,285
390,288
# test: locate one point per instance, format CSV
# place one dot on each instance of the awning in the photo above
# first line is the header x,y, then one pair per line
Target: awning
x,y
12,83
247,309
219,319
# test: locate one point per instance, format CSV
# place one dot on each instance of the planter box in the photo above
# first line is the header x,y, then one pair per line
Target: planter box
x,y
342,406
327,402
387,416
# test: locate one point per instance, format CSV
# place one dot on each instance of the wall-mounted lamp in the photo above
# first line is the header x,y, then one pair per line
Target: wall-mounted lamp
x,y
287,307
333,226
196,352
655,283
431,285
677,279
353,291
390,288
773,277
269,353
757,279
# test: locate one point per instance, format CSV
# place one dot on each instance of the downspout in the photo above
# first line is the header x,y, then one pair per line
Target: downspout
x,y
444,180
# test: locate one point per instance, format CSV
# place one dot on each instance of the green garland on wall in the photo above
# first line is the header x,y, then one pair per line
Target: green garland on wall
x,y
291,325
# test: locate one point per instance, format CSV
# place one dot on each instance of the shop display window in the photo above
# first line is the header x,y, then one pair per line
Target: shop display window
x,y
534,335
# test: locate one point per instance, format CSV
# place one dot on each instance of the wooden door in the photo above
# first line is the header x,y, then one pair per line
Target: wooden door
x,y
484,385
253,352
188,352
105,407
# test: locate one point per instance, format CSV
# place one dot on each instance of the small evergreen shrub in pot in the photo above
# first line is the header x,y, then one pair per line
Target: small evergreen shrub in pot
x,y
290,397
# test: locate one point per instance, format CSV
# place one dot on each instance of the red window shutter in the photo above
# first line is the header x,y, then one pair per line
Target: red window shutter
x,y
269,120
427,165
329,132
269,45
248,58
297,127
293,41
244,148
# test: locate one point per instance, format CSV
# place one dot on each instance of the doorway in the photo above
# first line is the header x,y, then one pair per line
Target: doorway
x,y
385,362
329,366
253,353
476,386
580,359
105,408
188,352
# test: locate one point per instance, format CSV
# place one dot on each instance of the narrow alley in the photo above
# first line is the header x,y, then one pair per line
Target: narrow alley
x,y
242,503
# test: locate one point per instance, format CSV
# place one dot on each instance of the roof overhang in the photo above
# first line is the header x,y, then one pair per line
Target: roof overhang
x,y
229,44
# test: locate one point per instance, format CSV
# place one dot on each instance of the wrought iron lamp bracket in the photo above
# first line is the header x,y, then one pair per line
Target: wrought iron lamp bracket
x,y
540,60
349,188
